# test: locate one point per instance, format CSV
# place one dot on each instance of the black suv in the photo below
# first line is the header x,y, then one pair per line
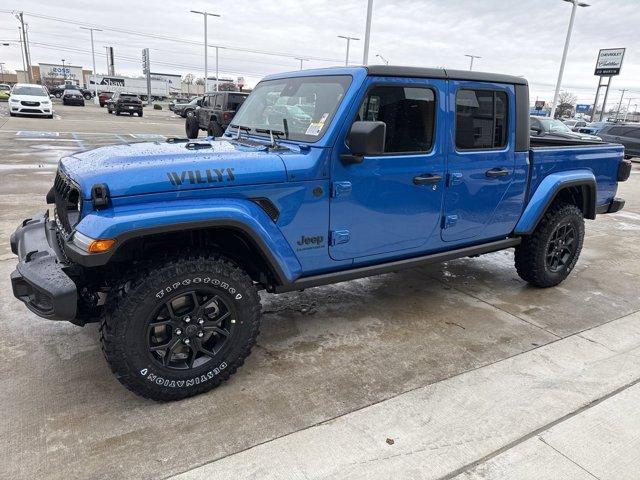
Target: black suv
x,y
627,135
124,102
58,91
214,113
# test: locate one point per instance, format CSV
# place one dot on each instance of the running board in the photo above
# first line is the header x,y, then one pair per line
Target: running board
x,y
439,257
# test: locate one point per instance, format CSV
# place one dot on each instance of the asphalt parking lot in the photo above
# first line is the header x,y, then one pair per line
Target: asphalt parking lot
x,y
453,370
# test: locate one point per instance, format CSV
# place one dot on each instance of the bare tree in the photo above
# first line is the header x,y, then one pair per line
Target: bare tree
x,y
566,103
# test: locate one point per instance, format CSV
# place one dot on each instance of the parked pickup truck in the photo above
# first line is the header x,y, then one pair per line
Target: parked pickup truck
x,y
323,176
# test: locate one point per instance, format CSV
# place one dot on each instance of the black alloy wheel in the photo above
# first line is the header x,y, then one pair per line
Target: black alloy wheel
x,y
189,330
561,247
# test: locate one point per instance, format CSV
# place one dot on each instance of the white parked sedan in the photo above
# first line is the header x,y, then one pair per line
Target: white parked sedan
x,y
30,99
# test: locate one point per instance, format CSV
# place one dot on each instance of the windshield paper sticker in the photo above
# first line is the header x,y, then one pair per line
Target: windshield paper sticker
x,y
315,128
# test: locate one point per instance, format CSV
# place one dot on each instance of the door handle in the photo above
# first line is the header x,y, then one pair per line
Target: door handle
x,y
426,179
497,172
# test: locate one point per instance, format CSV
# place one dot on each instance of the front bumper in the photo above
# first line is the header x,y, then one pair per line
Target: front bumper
x,y
40,279
37,110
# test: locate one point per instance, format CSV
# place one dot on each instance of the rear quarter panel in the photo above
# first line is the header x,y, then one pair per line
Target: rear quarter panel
x,y
601,160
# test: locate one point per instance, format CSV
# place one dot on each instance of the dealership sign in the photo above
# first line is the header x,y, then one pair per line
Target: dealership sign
x,y
609,62
583,108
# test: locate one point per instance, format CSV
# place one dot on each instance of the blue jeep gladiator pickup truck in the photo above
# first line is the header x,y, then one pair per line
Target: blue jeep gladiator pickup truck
x,y
323,176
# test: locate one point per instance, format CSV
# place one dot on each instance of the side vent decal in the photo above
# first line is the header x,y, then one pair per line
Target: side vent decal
x,y
268,207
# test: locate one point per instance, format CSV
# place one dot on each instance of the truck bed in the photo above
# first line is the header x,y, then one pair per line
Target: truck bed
x,y
553,155
561,142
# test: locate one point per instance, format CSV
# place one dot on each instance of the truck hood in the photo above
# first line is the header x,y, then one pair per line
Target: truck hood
x,y
154,167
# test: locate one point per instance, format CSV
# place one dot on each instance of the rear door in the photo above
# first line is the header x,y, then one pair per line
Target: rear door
x,y
481,162
391,203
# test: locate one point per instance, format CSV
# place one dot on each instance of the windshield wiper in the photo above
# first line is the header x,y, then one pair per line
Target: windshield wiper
x,y
272,134
239,129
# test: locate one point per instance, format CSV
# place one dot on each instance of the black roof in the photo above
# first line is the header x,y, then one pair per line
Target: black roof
x,y
398,71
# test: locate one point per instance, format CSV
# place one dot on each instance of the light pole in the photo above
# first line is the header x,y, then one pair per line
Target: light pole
x,y
367,33
301,60
620,103
471,63
206,65
93,57
575,4
217,74
64,73
627,110
348,39
386,62
2,71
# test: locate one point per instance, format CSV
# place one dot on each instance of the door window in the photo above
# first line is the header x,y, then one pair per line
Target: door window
x,y
481,119
409,114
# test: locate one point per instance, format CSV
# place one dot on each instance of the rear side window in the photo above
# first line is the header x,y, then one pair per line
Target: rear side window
x,y
481,119
632,132
409,114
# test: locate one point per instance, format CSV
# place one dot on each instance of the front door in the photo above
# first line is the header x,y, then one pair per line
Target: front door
x,y
480,163
391,203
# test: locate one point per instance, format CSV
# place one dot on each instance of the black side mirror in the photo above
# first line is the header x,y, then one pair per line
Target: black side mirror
x,y
535,130
199,103
365,138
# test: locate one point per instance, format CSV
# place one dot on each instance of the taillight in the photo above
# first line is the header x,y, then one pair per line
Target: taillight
x,y
227,116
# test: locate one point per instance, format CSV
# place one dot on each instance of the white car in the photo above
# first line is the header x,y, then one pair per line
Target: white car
x,y
30,99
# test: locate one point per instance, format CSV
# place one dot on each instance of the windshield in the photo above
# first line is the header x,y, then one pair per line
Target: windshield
x,y
302,107
36,91
72,92
554,126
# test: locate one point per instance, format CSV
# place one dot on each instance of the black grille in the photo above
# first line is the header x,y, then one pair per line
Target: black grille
x,y
30,104
67,200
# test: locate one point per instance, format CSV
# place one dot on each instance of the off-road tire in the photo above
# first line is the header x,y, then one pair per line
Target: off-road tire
x,y
531,254
214,129
124,329
139,114
117,112
191,126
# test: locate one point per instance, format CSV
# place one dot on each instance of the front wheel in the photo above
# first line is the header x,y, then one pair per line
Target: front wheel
x,y
547,256
182,327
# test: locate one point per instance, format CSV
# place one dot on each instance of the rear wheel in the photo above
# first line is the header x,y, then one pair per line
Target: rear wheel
x,y
547,256
191,126
214,129
182,327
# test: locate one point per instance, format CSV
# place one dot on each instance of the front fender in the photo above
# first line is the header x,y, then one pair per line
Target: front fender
x,y
126,222
546,193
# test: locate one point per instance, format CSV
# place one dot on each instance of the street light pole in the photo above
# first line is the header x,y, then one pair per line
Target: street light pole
x,y
64,73
2,73
575,4
620,102
348,39
627,110
206,64
301,60
93,57
367,33
472,57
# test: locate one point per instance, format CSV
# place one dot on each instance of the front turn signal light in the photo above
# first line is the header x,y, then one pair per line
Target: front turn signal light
x,y
99,246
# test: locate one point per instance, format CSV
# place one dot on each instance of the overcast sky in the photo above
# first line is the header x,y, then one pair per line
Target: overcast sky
x,y
521,37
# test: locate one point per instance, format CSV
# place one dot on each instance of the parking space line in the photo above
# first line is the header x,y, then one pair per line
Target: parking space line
x,y
80,142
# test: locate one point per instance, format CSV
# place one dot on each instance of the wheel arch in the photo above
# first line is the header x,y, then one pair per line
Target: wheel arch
x,y
577,188
238,228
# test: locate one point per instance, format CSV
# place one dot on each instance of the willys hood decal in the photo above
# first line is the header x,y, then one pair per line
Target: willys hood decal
x,y
140,168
